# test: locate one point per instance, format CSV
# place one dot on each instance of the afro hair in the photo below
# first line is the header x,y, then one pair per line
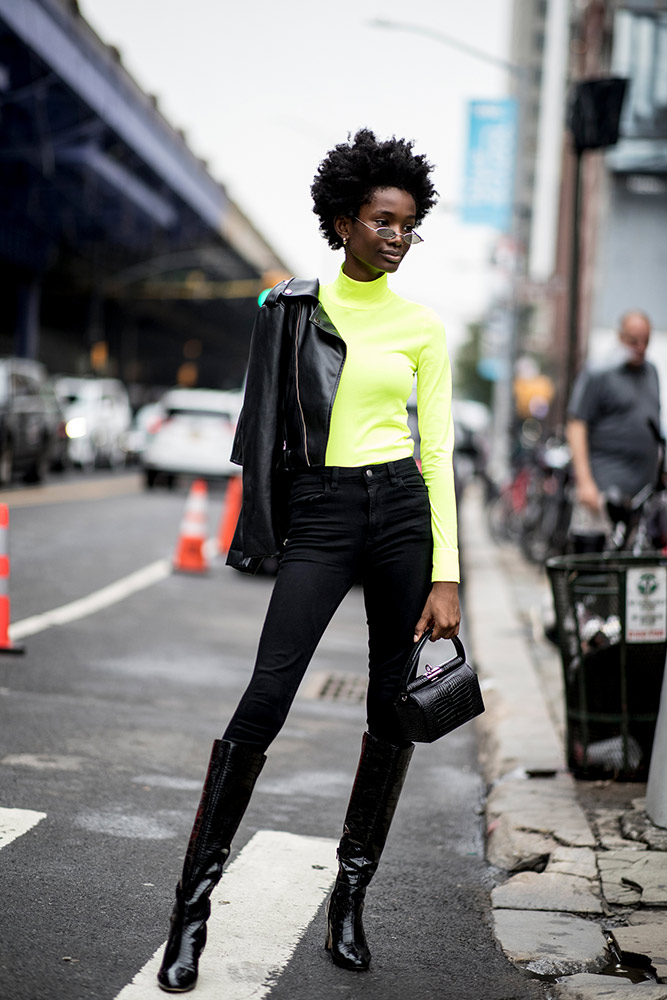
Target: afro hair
x,y
352,170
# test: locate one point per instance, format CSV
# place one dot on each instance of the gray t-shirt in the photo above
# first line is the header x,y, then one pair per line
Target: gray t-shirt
x,y
621,407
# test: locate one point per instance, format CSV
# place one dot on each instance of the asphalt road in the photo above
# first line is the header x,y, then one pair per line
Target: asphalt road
x,y
106,724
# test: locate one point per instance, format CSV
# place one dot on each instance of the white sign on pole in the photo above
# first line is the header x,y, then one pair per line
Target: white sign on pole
x,y
646,604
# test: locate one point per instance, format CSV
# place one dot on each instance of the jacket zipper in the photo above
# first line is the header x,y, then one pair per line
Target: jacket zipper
x,y
335,391
296,377
314,319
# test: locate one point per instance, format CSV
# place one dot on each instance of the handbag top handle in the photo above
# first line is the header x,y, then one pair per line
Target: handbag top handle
x,y
413,660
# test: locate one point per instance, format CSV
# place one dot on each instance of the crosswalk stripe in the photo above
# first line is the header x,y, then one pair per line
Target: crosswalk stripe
x,y
15,822
265,901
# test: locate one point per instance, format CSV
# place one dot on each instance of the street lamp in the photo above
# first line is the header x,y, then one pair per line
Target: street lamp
x,y
453,43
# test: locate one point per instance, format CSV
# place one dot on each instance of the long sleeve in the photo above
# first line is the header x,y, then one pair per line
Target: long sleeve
x,y
436,431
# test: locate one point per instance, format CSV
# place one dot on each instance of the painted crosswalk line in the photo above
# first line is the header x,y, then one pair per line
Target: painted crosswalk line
x,y
15,822
259,912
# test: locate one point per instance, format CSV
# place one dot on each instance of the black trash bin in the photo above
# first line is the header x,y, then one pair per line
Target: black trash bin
x,y
611,615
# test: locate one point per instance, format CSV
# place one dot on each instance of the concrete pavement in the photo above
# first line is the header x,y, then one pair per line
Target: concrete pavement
x,y
585,901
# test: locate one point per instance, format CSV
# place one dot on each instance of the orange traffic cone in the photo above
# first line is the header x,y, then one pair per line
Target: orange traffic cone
x,y
6,644
190,556
231,509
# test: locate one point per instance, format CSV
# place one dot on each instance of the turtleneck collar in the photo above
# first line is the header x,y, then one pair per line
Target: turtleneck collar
x,y
359,294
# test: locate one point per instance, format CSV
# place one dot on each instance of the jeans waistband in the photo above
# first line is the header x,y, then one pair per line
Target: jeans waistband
x,y
373,472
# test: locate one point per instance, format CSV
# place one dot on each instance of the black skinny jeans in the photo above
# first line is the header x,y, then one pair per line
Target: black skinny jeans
x,y
371,524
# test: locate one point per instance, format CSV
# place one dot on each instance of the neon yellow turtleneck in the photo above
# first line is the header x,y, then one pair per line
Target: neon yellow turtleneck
x,y
389,340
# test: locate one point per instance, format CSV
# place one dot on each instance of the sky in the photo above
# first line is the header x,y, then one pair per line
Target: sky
x,y
264,90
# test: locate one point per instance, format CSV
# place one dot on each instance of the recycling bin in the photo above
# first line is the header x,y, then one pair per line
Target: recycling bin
x,y
611,618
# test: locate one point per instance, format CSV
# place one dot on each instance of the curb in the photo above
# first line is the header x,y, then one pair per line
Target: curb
x,y
551,915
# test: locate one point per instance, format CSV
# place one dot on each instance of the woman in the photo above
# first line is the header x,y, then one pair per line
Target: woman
x,y
329,481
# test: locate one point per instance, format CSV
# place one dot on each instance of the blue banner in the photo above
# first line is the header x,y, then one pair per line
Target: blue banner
x,y
488,184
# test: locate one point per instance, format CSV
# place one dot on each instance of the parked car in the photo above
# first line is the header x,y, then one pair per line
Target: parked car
x,y
97,417
27,432
195,437
144,424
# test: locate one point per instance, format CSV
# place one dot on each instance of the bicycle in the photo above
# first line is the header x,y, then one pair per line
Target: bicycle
x,y
547,516
640,521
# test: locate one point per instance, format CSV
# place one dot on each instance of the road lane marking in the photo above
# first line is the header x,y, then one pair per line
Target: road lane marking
x,y
259,912
15,822
99,599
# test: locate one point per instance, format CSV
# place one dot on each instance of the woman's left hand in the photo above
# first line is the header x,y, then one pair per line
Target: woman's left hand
x,y
441,612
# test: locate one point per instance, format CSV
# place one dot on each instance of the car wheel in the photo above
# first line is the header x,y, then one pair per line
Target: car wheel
x,y
150,478
6,464
170,480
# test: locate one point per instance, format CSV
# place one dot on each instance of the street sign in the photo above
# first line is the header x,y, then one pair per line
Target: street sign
x,y
646,604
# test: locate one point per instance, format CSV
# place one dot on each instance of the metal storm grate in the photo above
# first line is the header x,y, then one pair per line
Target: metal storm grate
x,y
341,687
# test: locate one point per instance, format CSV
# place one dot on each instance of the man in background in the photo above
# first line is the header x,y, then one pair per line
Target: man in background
x,y
613,430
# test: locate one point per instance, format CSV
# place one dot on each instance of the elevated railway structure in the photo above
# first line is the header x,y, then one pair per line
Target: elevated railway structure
x,y
119,252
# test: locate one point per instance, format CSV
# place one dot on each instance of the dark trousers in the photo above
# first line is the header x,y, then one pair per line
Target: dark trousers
x,y
370,524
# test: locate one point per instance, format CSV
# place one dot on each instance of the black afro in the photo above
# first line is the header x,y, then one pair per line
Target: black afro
x,y
351,171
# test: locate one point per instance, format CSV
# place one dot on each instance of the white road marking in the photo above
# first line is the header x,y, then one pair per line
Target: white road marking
x,y
261,908
15,822
100,599
96,601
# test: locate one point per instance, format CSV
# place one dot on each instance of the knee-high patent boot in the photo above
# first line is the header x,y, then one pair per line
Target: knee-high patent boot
x,y
232,773
377,787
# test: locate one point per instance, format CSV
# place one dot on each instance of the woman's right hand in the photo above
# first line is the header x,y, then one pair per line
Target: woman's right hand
x,y
441,612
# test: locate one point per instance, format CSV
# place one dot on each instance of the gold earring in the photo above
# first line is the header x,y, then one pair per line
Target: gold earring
x,y
345,239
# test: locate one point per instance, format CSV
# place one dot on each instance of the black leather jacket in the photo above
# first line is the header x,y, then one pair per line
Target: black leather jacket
x,y
294,368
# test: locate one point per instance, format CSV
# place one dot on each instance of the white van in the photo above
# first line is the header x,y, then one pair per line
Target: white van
x,y
97,418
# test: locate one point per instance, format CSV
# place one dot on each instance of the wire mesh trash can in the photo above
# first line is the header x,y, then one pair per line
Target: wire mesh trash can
x,y
611,617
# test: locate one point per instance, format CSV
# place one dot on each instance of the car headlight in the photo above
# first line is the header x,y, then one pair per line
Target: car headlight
x,y
76,427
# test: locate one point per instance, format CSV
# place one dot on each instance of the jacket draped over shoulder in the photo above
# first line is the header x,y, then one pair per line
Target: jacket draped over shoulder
x,y
294,367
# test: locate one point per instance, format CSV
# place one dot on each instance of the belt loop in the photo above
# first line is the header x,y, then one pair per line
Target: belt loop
x,y
334,479
392,473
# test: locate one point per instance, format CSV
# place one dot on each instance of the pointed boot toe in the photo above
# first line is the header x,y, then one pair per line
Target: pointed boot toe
x,y
177,979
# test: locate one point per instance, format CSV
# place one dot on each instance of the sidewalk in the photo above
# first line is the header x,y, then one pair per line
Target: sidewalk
x,y
584,904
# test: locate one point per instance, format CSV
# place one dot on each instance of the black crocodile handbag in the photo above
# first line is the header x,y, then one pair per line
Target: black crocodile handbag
x,y
439,700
